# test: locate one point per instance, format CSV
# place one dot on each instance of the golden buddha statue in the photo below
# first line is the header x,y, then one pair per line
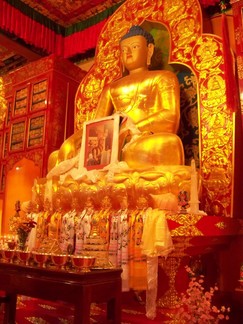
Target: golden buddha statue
x,y
150,99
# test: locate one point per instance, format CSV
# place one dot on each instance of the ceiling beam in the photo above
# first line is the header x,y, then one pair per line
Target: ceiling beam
x,y
17,48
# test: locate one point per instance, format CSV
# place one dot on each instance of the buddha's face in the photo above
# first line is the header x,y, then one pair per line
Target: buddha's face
x,y
134,51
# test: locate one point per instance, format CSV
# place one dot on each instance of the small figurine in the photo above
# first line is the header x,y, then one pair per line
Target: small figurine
x,y
183,201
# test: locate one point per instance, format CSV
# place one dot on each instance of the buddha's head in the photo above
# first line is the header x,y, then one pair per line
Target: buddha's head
x,y
137,47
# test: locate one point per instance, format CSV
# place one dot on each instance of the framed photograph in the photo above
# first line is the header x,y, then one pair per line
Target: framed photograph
x,y
100,143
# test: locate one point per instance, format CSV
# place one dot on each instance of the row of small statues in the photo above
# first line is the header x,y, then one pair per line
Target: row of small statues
x,y
58,229
114,232
65,224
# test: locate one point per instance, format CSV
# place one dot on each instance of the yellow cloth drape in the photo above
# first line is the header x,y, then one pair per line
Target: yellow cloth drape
x,y
156,238
137,261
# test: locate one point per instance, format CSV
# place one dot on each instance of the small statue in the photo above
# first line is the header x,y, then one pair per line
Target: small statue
x,y
14,220
138,266
43,217
119,239
51,243
83,224
103,217
183,201
67,227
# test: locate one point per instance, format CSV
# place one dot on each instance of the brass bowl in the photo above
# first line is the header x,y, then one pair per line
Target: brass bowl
x,y
8,255
11,245
1,253
23,256
83,262
59,260
40,258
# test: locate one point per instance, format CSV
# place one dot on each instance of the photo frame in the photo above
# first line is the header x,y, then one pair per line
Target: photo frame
x,y
100,143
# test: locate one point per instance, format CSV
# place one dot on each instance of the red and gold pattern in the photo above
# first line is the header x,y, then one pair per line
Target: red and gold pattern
x,y
3,103
202,53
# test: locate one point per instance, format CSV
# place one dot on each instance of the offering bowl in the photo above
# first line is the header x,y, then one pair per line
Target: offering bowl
x,y
83,262
8,255
1,254
11,245
40,258
23,256
59,260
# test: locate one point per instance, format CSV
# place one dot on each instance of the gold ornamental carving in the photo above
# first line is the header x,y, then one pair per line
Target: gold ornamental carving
x,y
206,58
3,102
170,267
202,54
217,123
221,225
240,67
187,224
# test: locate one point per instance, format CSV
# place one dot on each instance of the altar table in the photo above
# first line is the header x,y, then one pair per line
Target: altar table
x,y
80,289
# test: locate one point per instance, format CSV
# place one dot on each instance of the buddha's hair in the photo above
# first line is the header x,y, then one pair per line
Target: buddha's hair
x,y
138,30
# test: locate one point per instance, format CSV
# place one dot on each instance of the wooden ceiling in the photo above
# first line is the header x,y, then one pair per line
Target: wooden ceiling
x,y
14,52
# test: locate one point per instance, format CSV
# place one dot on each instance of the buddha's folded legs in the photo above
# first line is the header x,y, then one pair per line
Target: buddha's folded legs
x,y
154,150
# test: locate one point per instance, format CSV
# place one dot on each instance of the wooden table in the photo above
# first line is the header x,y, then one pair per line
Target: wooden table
x,y
80,289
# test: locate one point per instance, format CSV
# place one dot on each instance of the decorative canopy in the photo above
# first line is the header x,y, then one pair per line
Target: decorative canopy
x,y
52,26
66,27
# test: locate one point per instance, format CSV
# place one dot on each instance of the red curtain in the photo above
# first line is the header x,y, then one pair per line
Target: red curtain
x,y
33,33
40,36
82,41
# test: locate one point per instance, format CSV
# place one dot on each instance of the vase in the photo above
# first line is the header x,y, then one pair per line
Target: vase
x,y
22,241
21,246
